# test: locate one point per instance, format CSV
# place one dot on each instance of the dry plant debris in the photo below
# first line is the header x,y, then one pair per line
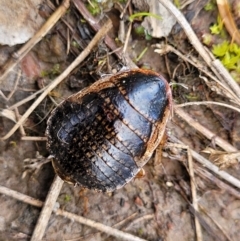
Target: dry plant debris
x,y
212,190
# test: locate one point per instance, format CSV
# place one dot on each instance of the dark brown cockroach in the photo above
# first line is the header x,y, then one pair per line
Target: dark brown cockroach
x,y
103,135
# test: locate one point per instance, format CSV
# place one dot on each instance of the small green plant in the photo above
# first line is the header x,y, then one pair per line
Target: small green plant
x,y
75,44
211,5
229,54
217,28
56,70
141,31
177,3
67,198
93,7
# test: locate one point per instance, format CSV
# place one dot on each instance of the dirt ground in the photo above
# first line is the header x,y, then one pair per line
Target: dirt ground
x,y
154,207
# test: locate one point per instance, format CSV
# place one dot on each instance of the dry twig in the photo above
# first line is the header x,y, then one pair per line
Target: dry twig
x,y
47,209
34,138
208,103
204,173
25,100
194,195
14,87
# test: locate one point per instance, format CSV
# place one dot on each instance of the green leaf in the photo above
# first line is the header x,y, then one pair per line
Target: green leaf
x,y
229,62
221,49
215,29
234,48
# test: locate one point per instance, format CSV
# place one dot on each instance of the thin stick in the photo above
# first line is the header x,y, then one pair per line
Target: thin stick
x,y
101,227
127,37
101,33
47,209
208,103
204,173
30,97
15,85
210,135
224,175
194,195
125,8
33,138
18,56
114,232
21,197
22,131
215,222
227,77
215,65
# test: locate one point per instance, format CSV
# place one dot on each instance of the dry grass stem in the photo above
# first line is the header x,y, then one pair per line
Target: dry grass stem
x,y
125,220
47,209
227,77
215,222
18,56
127,38
140,219
25,100
214,64
125,8
22,131
207,133
14,87
33,138
222,185
227,18
208,103
206,163
106,27
194,195
108,230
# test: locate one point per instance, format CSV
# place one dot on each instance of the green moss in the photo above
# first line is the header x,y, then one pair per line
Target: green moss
x,y
67,198
210,6
217,28
229,54
52,73
93,7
